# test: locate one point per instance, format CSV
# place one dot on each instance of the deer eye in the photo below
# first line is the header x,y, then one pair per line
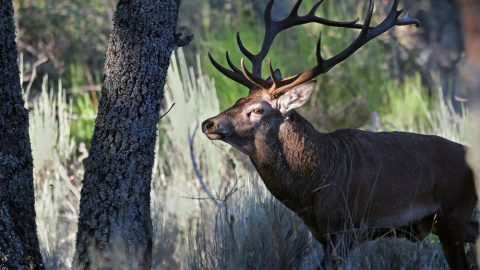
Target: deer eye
x,y
258,111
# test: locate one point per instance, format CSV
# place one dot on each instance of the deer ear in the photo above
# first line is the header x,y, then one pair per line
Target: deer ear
x,y
295,97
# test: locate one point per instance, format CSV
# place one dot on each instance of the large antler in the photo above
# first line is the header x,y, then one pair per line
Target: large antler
x,y
277,85
272,28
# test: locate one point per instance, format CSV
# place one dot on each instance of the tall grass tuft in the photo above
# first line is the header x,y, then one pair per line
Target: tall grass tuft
x,y
264,235
411,109
57,175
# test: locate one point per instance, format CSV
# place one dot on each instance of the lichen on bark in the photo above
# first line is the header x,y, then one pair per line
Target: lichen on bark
x,y
115,228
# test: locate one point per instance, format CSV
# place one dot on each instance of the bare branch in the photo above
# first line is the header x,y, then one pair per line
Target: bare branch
x,y
200,178
167,111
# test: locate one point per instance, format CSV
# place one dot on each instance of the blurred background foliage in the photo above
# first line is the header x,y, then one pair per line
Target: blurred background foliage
x,y
67,40
406,79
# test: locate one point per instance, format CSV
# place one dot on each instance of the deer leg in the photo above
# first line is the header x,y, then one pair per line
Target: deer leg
x,y
455,228
452,237
454,252
472,232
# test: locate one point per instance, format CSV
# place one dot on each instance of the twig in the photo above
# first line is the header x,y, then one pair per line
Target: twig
x,y
168,112
197,172
196,198
200,178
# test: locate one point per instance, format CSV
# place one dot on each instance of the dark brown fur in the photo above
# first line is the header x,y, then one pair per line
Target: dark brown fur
x,y
348,185
355,184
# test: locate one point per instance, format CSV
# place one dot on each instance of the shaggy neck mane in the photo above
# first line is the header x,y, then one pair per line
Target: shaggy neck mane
x,y
285,154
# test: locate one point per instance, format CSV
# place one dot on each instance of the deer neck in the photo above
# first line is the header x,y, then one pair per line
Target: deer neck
x,y
290,161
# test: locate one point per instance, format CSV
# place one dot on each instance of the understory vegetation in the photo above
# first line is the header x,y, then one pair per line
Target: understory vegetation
x,y
247,228
222,216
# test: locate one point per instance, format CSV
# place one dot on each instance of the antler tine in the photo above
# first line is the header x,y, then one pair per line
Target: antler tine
x,y
294,11
255,80
293,19
312,11
287,83
267,14
319,52
244,50
240,78
406,20
232,66
366,34
275,80
256,61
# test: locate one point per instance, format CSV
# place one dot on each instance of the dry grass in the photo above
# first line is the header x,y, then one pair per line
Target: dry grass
x,y
190,231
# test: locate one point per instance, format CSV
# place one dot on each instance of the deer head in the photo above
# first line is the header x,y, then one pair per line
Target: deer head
x,y
252,117
270,102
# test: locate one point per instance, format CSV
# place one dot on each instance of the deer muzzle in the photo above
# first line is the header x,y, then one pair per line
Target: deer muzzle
x,y
212,130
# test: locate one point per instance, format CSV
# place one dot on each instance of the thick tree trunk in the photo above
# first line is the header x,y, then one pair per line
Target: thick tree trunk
x,y
19,247
114,227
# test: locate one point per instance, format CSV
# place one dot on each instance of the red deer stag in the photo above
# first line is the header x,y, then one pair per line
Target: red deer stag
x,y
349,180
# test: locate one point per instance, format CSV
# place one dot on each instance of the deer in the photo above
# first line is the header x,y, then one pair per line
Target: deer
x,y
371,183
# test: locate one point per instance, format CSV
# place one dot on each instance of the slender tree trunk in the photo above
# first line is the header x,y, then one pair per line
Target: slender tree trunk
x,y
115,227
19,247
470,9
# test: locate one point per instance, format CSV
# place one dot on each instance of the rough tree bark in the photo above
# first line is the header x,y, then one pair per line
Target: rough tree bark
x,y
114,227
470,80
19,247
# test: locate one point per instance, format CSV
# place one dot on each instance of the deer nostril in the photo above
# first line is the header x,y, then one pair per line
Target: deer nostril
x,y
207,125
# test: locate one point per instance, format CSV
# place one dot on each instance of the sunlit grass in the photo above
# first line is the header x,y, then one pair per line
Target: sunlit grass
x,y
57,175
